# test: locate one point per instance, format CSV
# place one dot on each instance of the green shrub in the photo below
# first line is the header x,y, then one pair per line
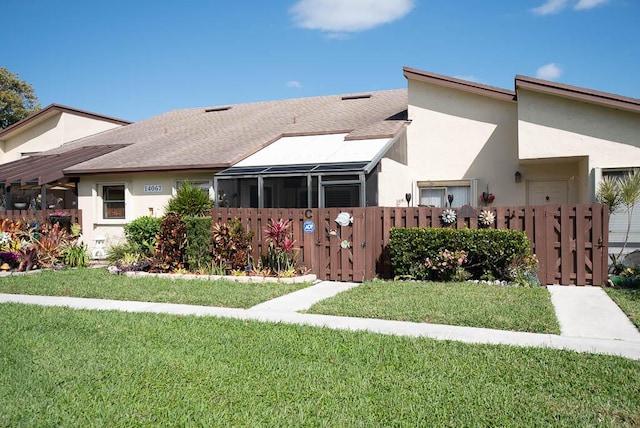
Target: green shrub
x,y
142,234
190,201
489,251
75,255
198,251
117,251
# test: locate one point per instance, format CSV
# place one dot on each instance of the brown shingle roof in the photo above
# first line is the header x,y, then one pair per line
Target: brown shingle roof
x,y
200,139
41,169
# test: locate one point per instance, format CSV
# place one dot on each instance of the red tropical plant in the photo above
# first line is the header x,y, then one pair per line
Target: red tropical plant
x,y
280,255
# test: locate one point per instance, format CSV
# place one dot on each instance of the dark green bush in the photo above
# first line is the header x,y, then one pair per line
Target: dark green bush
x,y
142,234
190,201
198,251
489,251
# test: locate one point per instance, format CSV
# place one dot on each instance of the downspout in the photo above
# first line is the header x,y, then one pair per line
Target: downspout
x,y
363,190
215,192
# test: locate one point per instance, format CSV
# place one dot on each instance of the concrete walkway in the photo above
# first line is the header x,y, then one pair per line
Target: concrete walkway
x,y
588,312
589,322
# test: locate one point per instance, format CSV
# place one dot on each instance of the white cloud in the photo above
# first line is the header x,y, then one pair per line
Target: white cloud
x,y
556,6
549,72
589,4
347,16
469,78
293,84
550,7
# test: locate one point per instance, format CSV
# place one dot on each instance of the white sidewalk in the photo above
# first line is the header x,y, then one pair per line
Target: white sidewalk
x,y
579,333
588,312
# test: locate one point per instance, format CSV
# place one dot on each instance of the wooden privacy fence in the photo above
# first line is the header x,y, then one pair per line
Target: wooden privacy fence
x,y
41,216
570,241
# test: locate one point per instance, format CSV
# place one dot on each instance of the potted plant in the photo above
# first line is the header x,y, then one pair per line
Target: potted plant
x,y
61,217
487,197
19,200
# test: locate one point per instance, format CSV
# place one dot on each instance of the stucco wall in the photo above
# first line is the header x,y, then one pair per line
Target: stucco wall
x,y
457,135
50,133
75,127
43,136
394,180
137,202
552,126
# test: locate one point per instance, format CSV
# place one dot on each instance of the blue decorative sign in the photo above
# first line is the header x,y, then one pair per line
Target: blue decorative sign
x,y
309,226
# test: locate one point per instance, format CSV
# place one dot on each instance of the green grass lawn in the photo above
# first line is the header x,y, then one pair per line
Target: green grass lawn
x,y
63,367
629,301
466,304
99,284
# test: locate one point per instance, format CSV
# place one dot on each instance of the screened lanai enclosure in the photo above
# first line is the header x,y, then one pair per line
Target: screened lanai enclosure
x,y
318,171
300,186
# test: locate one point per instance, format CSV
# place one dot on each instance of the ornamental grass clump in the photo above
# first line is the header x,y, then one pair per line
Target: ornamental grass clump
x,y
447,266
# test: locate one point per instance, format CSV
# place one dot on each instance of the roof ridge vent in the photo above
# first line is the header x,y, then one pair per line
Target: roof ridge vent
x,y
212,109
355,97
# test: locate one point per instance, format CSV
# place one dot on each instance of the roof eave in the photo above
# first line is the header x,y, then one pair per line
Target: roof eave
x,y
459,84
378,157
142,169
51,110
578,93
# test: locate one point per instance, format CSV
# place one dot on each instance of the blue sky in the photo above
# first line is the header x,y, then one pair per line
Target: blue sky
x,y
134,59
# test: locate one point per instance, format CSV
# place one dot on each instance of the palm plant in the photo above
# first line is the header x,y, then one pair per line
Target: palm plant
x,y
619,192
630,194
190,201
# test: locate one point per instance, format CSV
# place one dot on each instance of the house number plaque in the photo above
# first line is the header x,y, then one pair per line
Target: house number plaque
x,y
152,188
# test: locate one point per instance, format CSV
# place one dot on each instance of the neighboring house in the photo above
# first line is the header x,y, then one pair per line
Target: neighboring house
x,y
544,143
44,130
51,127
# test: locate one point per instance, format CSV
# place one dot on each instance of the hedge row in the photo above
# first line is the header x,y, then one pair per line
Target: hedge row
x,y
489,251
198,251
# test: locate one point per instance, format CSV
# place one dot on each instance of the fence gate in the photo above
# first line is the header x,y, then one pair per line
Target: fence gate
x,y
340,244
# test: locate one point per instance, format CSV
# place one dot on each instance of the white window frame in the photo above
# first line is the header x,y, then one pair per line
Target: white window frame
x,y
200,183
472,184
618,220
99,203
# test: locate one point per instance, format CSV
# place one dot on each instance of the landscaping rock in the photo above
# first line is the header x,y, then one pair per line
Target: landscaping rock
x,y
632,259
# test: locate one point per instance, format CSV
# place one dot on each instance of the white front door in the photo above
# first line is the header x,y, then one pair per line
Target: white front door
x,y
547,192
